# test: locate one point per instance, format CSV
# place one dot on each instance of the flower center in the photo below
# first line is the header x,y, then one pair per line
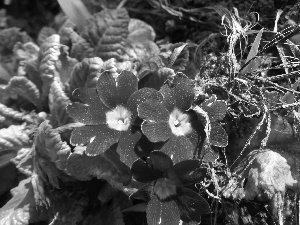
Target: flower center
x,y
179,123
164,188
119,118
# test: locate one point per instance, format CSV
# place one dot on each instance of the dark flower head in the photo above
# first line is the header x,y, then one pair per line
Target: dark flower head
x,y
165,190
170,121
109,114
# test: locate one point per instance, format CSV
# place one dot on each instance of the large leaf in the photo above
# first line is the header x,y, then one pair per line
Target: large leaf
x,y
21,210
23,87
58,102
81,49
48,145
14,137
85,73
106,165
107,32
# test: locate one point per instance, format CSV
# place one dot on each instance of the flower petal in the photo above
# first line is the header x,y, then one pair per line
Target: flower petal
x,y
138,97
90,113
183,91
179,148
145,192
169,97
160,161
191,205
187,172
106,88
127,84
126,145
144,172
155,126
166,213
97,138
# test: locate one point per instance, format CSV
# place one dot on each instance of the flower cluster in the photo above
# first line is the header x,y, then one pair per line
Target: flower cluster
x,y
117,113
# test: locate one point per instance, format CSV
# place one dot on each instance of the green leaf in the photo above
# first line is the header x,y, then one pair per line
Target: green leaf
x,y
14,137
80,47
58,102
107,32
140,31
48,145
85,73
24,88
255,62
218,135
106,166
10,114
20,209
76,12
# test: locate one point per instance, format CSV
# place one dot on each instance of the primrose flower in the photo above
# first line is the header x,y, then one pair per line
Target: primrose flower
x,y
168,198
109,113
170,121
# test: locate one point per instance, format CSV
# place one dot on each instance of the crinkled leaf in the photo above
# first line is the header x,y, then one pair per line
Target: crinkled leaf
x,y
44,33
48,144
81,49
25,53
166,213
11,114
151,66
49,57
269,173
21,209
175,56
140,31
106,166
14,137
24,88
85,73
58,102
107,32
11,36
218,135
6,156
66,64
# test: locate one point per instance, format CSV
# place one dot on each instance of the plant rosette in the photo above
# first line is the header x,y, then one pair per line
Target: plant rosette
x,y
109,115
169,201
170,121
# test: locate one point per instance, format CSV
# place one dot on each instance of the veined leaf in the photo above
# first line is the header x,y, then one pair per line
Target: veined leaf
x,y
58,102
106,166
11,114
14,137
25,88
80,47
107,32
85,73
48,144
21,210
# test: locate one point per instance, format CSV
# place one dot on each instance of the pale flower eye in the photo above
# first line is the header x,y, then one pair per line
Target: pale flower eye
x,y
119,118
179,123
